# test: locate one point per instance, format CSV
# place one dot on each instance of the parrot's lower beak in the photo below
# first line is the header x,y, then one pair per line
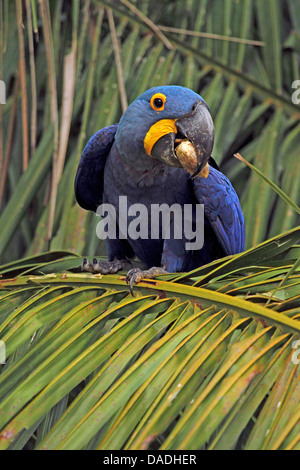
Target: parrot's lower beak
x,y
191,146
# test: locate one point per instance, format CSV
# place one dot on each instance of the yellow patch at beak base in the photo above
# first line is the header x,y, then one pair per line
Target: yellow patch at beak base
x,y
158,130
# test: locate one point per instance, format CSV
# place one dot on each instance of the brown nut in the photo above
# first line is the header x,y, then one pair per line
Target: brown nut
x,y
187,156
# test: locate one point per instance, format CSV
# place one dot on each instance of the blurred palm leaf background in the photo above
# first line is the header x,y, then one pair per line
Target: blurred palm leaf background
x,y
197,360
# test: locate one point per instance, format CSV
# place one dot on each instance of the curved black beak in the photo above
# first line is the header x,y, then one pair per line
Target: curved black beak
x,y
198,128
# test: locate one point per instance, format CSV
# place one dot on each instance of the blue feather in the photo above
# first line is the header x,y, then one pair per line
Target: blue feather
x,y
89,182
223,210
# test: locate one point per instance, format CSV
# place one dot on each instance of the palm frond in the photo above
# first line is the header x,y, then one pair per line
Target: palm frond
x,y
212,363
247,87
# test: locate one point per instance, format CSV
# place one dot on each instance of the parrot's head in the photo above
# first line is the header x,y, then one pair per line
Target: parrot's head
x,y
159,120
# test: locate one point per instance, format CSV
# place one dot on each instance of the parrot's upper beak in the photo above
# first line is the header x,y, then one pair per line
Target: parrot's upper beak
x,y
198,130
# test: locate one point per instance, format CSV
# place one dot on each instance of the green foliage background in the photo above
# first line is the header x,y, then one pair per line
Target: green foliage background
x,y
248,88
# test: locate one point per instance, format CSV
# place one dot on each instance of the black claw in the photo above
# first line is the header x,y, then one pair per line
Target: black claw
x,y
131,278
131,285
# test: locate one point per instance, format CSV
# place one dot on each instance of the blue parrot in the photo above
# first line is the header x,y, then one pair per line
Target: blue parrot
x,y
137,158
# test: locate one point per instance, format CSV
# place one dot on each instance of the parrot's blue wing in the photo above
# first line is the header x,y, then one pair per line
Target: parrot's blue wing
x,y
90,173
223,210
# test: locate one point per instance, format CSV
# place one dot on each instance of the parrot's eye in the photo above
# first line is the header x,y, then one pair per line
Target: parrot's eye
x,y
158,101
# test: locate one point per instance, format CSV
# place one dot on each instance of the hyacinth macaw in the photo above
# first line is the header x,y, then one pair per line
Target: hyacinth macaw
x,y
137,158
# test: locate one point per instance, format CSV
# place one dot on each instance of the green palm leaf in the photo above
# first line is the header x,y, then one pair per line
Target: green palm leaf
x,y
200,360
247,86
176,366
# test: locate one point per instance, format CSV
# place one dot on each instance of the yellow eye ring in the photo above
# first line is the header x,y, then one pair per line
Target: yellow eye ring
x,y
157,102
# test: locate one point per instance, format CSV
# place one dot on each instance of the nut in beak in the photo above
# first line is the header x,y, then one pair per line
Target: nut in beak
x,y
187,156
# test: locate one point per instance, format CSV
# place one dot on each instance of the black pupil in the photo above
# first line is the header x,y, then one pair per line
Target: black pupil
x,y
158,102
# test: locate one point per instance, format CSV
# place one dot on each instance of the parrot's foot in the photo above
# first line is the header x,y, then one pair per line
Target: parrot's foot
x,y
102,267
134,276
